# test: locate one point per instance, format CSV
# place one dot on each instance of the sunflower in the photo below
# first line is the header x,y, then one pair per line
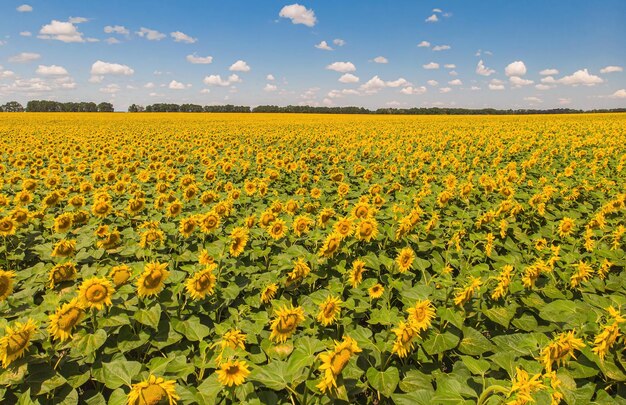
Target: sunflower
x,y
361,210
154,390
560,349
6,283
238,240
20,215
268,293
120,274
376,291
96,293
204,258
285,323
151,238
15,341
174,209
187,226
405,332
152,280
356,274
334,361
209,222
300,270
405,259
234,339
8,226
101,208
523,386
325,216
63,222
367,229
301,225
62,272
102,231
202,283
331,245
566,227
277,229
112,240
343,227
65,318
421,315
64,248
465,294
329,310
233,372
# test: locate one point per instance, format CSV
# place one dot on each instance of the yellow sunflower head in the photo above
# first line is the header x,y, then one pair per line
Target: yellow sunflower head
x,y
202,283
96,293
65,318
238,240
233,372
62,272
152,280
8,226
6,283
153,391
405,259
120,274
287,319
64,248
15,341
376,291
329,310
269,292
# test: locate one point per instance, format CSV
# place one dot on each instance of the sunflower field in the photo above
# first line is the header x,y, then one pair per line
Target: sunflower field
x,y
310,259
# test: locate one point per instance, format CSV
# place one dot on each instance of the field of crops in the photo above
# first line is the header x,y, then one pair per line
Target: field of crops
x,y
253,258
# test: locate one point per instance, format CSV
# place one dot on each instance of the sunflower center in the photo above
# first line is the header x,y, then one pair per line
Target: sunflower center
x,y
6,226
69,319
340,360
361,212
203,282
152,395
17,342
4,285
232,370
366,230
287,324
153,279
329,310
96,293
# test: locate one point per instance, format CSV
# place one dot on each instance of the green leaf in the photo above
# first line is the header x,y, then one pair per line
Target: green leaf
x,y
273,375
192,329
149,317
440,342
384,382
417,397
474,343
565,311
209,389
476,366
88,343
120,372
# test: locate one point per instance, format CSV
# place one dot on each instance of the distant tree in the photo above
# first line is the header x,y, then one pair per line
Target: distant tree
x,y
12,106
135,108
105,107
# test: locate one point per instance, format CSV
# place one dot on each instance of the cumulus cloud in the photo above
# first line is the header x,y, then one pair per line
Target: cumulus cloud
x,y
621,93
496,84
450,66
445,89
26,34
63,31
216,80
178,36
410,90
432,82
455,82
519,82
298,14
611,69
441,47
239,66
380,59
116,29
373,85
5,73
401,82
341,67
270,77
549,72
542,86
348,78
323,45
100,68
432,19
339,42
431,66
517,68
148,85
24,57
174,85
581,77
201,60
110,89
533,100
24,8
150,35
269,87
423,44
52,70
112,41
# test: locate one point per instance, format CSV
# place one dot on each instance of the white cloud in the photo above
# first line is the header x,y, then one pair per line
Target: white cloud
x,y
432,83
341,67
100,68
63,31
410,90
112,41
216,80
611,69
5,73
565,101
26,34
548,80
202,60
269,87
24,8
150,35
450,66
581,77
445,90
474,88
380,59
348,78
298,14
77,20
269,77
533,100
432,19
339,42
205,91
441,47
116,29
455,82
148,85
96,79
483,70
342,93
496,84
174,85
110,89
401,82
178,36
549,72
52,70
24,57
323,45
423,44
517,68
453,73
519,82
619,94
373,85
437,10
239,66
542,86
431,65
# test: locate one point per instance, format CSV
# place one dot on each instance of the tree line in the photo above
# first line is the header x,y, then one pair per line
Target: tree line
x,y
55,106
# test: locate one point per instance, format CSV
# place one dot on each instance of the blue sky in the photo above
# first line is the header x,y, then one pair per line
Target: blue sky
x,y
530,54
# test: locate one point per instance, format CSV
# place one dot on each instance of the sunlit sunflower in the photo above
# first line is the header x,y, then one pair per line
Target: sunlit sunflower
x,y
331,245
6,283
361,210
111,240
523,386
285,322
329,310
63,222
325,216
64,248
15,341
209,222
566,227
153,391
151,238
405,333
187,226
120,274
96,293
8,226
65,318
62,272
405,259
421,314
234,339
238,240
376,291
334,361
174,209
301,225
343,227
367,229
356,274
152,280
20,215
233,372
560,349
202,283
277,229
101,208
269,293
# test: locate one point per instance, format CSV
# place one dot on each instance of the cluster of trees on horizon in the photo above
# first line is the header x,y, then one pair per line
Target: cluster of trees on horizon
x,y
55,106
